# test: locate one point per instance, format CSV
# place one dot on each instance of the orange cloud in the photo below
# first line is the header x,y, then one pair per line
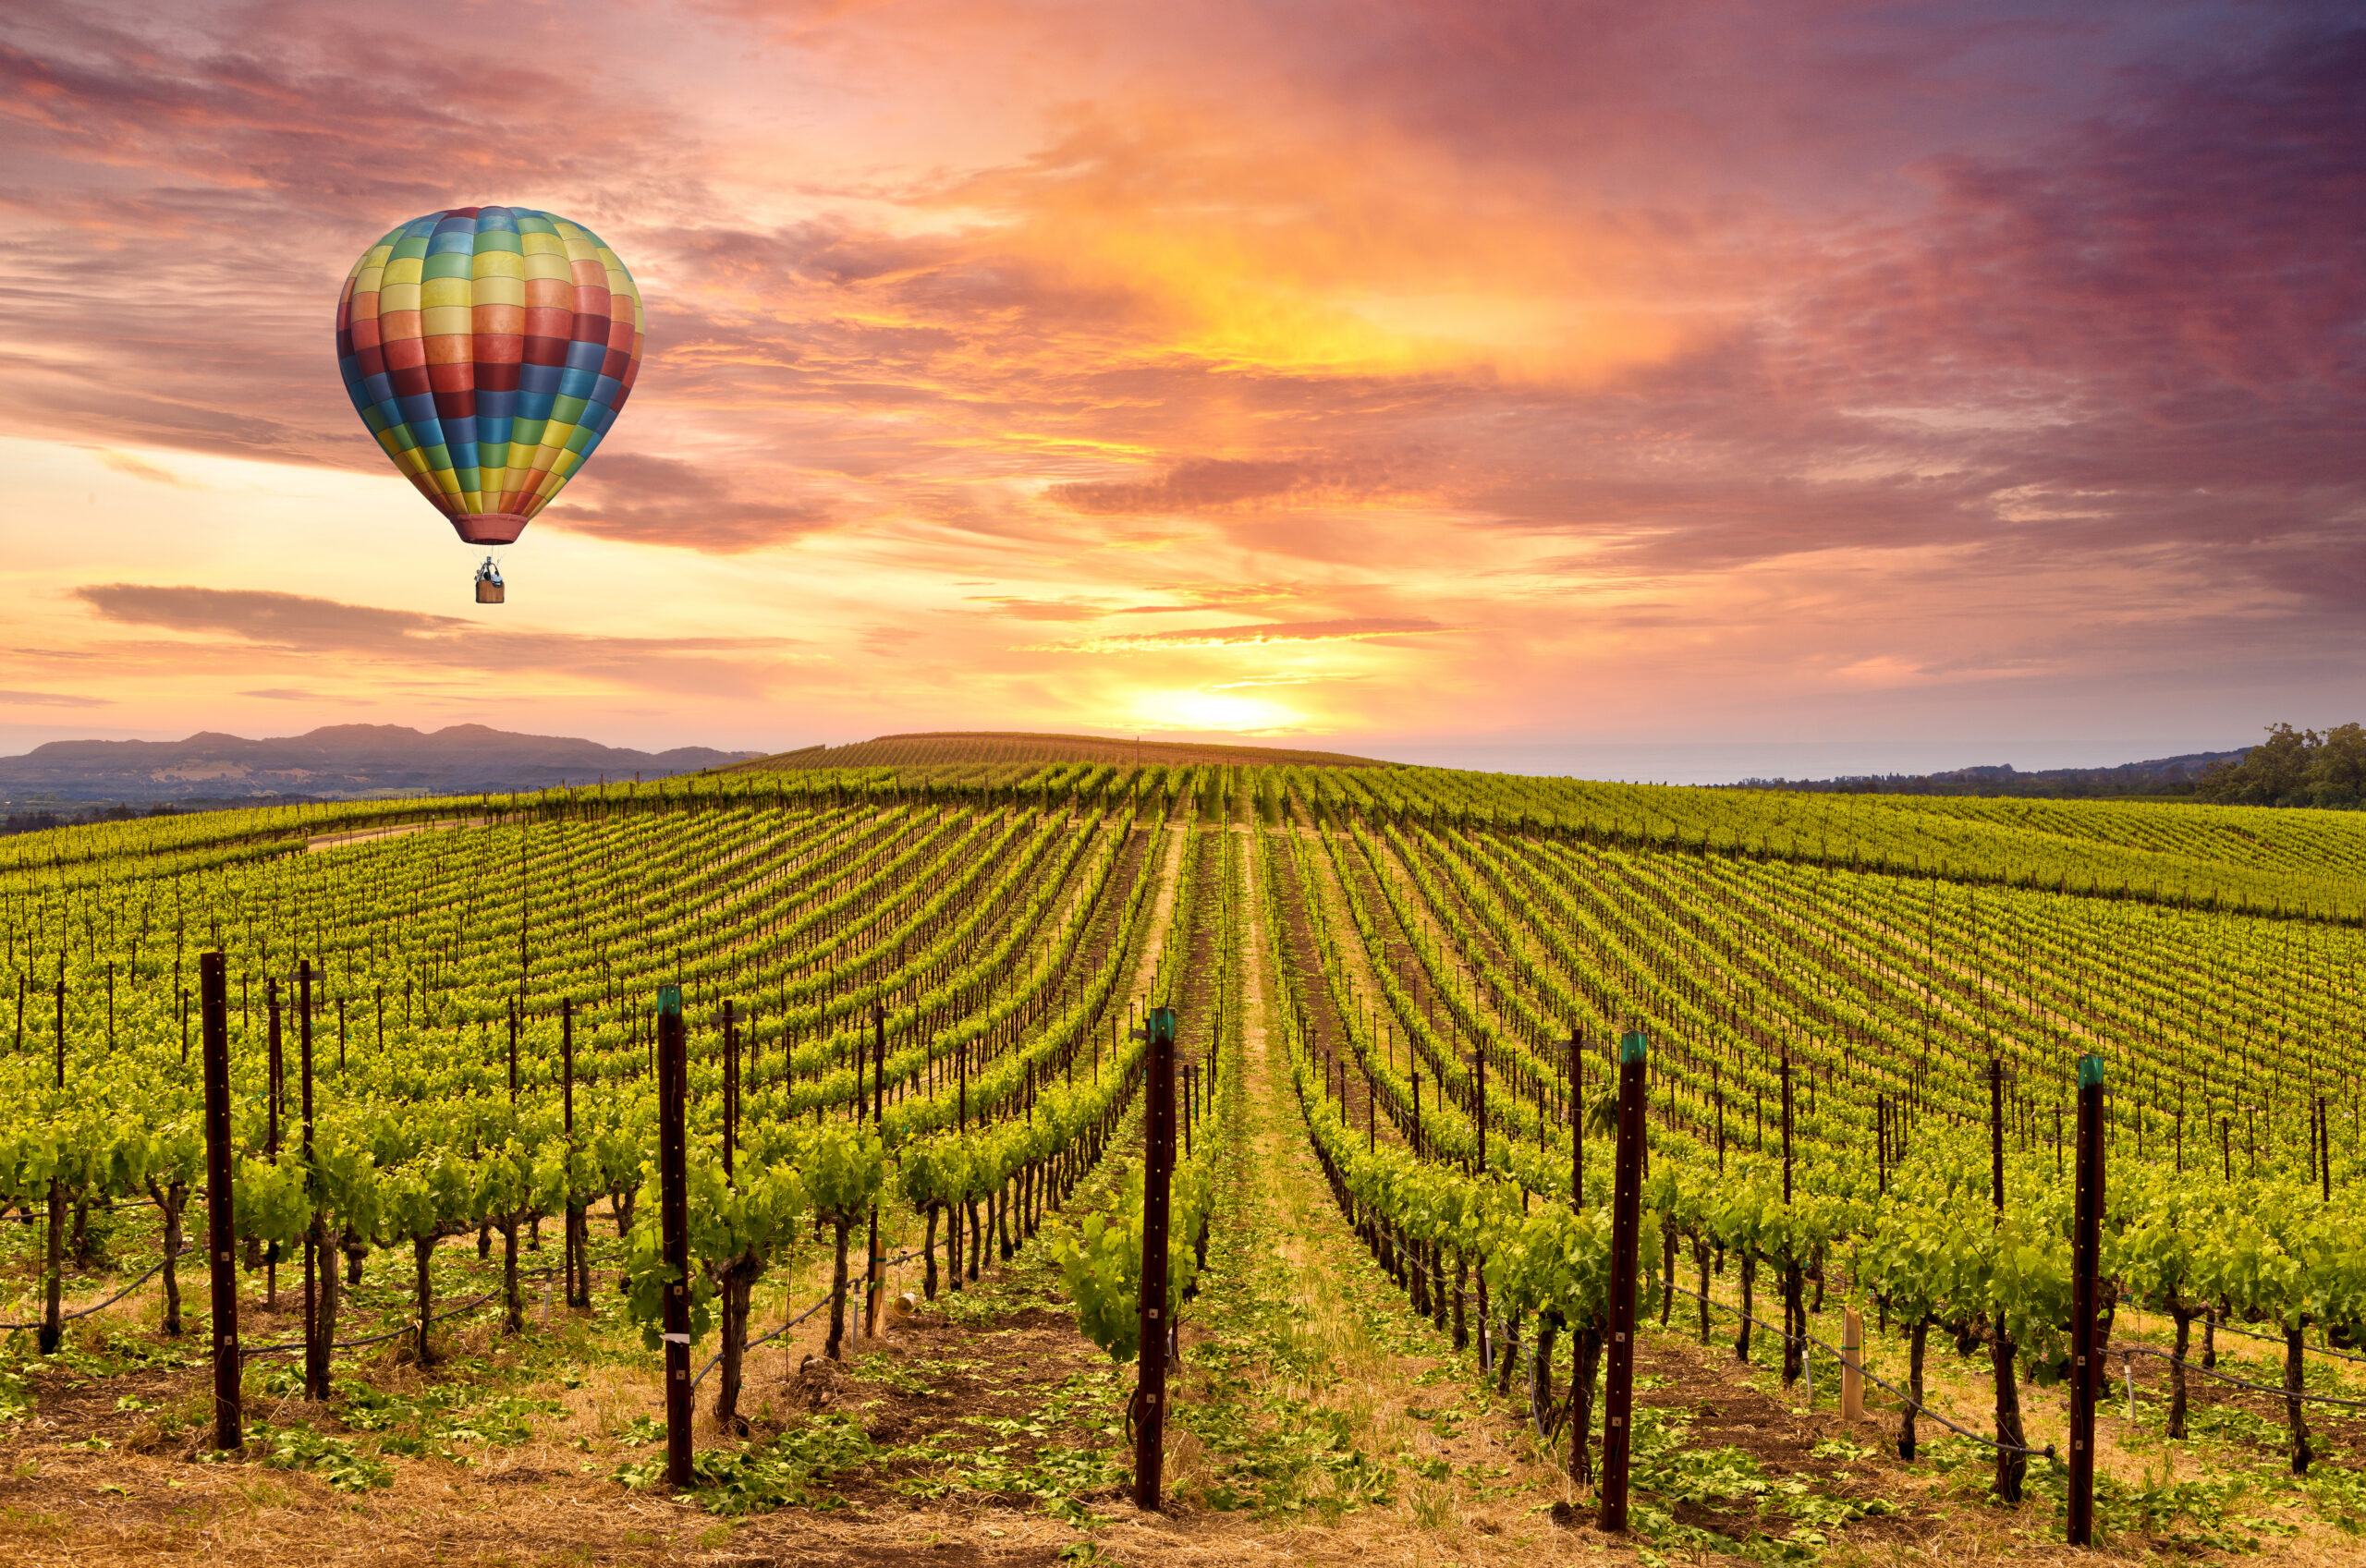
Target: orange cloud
x,y
1257,636
140,468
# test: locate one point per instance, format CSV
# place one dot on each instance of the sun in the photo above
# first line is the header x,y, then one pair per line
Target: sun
x,y
1212,710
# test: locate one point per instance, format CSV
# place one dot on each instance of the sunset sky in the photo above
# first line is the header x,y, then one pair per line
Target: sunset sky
x,y
1633,389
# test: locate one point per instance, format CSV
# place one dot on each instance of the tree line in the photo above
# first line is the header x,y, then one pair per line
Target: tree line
x,y
2293,768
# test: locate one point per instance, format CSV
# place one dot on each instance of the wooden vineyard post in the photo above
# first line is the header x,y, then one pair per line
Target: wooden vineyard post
x,y
1626,1241
2324,1152
875,1271
730,1087
1795,1326
53,1325
674,1218
579,1271
1996,1129
221,1224
2084,1371
316,1338
1149,1393
1577,1123
1479,1063
276,1100
1852,1361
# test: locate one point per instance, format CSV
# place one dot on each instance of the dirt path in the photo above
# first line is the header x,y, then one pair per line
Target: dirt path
x,y
1317,1420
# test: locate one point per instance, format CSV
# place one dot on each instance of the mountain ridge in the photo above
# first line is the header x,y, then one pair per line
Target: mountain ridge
x,y
2155,776
334,761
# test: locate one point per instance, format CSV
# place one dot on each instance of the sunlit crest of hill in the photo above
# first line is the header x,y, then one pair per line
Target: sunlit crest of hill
x,y
972,748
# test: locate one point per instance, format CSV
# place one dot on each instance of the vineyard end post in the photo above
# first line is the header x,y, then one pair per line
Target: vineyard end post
x,y
1149,1395
1626,1242
220,1222
2084,1246
674,1217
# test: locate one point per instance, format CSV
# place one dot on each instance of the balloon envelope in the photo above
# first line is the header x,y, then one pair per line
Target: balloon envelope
x,y
488,349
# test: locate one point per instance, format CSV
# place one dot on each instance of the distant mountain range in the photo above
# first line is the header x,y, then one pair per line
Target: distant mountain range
x,y
2162,776
337,762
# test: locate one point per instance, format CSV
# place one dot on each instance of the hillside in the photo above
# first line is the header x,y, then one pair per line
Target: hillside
x,y
337,761
941,748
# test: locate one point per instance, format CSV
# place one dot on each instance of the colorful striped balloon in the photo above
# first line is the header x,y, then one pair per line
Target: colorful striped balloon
x,y
488,349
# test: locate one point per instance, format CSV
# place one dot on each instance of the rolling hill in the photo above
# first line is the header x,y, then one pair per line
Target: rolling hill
x,y
988,746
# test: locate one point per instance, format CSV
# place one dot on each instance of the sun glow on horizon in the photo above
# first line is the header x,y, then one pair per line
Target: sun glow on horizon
x,y
1215,711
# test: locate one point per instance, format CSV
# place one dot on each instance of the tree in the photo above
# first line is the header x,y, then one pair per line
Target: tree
x,y
2293,768
2336,773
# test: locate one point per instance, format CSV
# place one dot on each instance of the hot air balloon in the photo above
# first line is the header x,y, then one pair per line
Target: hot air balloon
x,y
488,349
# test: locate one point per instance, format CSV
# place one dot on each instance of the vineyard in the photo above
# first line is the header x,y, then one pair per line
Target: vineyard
x,y
832,1106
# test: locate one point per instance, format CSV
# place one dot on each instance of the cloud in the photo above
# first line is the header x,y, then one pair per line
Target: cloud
x,y
389,639
50,699
1041,609
1259,636
124,463
1303,678
682,505
1214,484
288,694
1196,596
281,620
